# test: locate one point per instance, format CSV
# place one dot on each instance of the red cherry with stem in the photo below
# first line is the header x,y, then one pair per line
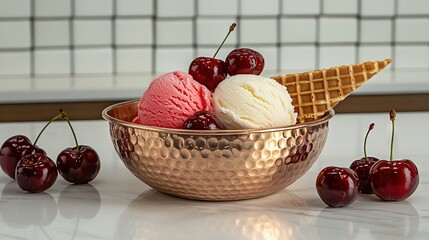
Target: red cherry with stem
x,y
362,166
336,186
210,71
244,61
13,149
35,173
17,147
202,120
394,180
79,164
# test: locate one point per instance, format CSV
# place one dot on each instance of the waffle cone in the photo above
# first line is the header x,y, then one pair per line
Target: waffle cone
x,y
314,93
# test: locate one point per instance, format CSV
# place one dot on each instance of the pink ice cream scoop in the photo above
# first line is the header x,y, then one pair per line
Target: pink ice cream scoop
x,y
171,99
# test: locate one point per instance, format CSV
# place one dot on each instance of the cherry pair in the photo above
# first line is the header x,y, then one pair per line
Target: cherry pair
x,y
393,180
34,171
210,71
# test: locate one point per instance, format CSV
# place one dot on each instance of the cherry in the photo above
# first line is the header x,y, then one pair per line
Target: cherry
x,y
393,180
210,71
244,61
336,186
13,149
202,120
35,173
136,120
362,166
79,164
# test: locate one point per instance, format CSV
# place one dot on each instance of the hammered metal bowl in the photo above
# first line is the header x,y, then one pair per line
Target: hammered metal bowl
x,y
215,165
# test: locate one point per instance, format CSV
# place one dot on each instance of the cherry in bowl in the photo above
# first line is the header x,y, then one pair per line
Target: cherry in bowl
x,y
244,61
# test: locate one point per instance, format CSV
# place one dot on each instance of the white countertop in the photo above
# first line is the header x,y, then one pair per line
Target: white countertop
x,y
116,205
123,87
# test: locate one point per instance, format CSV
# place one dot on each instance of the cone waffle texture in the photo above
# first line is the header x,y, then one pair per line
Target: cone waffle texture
x,y
314,93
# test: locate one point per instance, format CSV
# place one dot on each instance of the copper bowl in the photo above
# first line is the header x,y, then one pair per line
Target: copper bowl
x,y
215,165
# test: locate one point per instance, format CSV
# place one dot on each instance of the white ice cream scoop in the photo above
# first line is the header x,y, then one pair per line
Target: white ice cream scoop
x,y
251,101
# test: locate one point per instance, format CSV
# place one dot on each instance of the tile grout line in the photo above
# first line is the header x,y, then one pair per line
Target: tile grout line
x,y
279,37
113,38
238,22
71,39
154,38
393,44
317,42
32,43
194,29
358,32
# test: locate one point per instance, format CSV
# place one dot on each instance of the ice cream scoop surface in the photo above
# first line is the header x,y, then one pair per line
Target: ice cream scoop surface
x,y
250,101
171,99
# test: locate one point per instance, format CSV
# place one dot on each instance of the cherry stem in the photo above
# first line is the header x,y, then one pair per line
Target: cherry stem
x,y
65,116
392,115
59,116
371,126
231,28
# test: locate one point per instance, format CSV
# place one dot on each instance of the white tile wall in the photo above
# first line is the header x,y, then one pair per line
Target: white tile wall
x,y
213,30
93,82
338,30
93,61
293,7
92,32
116,36
375,31
412,30
298,58
270,55
378,7
15,34
340,7
52,61
217,8
134,7
406,7
52,33
15,8
55,82
256,30
177,8
133,31
367,53
181,35
15,63
337,55
134,60
93,7
52,8
298,30
258,7
210,51
171,59
411,57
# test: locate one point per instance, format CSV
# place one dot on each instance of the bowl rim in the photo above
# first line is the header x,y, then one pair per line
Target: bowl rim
x,y
109,118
